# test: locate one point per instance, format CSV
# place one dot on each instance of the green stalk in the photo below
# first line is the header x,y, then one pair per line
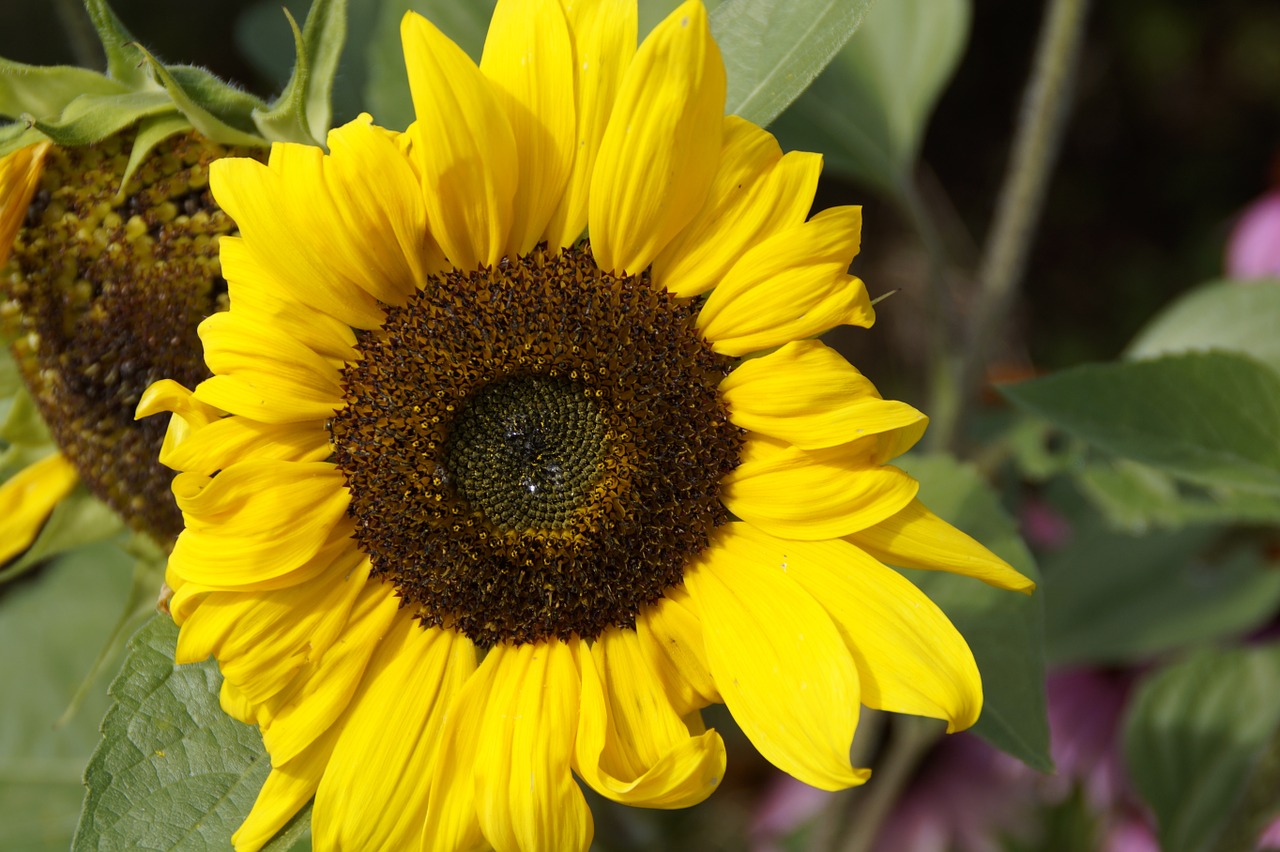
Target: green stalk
x,y
1035,150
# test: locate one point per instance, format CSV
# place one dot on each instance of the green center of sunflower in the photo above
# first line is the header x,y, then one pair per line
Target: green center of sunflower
x,y
536,449
103,295
525,451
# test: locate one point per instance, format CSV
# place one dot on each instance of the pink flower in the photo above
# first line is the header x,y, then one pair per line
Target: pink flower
x,y
1254,248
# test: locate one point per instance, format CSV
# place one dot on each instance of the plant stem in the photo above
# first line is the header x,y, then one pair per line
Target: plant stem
x,y
1035,150
910,739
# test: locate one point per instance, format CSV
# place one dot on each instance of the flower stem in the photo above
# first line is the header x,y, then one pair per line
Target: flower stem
x,y
1035,149
910,739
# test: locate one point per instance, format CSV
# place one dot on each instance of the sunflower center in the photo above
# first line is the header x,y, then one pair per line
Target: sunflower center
x,y
525,450
535,449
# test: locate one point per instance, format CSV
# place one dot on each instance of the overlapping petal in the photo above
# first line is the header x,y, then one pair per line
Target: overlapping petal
x,y
792,285
464,147
778,660
670,634
813,494
632,745
659,153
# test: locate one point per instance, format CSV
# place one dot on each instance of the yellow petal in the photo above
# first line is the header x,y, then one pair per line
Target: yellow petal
x,y
300,224
660,150
812,494
323,690
289,786
28,497
604,40
910,658
464,147
807,394
780,663
756,193
791,286
19,177
256,521
916,538
390,739
632,746
670,634
529,59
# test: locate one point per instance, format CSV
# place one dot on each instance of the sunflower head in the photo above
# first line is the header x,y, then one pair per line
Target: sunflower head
x,y
108,252
474,503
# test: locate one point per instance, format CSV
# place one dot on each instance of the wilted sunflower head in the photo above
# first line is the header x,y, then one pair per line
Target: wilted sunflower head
x,y
473,502
102,294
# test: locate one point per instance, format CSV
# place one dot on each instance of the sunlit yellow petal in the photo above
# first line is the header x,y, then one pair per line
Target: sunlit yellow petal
x,y
813,494
756,193
792,285
916,538
660,150
529,59
910,658
289,786
780,663
632,746
805,393
670,633
464,146
28,497
604,40
390,737
19,176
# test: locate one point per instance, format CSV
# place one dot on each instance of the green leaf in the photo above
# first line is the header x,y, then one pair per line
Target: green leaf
x,y
868,111
773,50
216,109
1234,316
1114,598
1004,629
303,111
92,118
172,770
118,43
51,628
1136,498
1211,418
1194,736
45,91
387,88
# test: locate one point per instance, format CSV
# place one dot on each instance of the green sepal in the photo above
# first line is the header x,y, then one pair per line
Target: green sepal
x,y
47,90
304,109
151,132
92,118
118,44
18,135
216,109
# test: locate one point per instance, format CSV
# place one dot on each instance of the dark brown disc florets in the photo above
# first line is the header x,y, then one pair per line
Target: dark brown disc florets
x,y
534,450
103,296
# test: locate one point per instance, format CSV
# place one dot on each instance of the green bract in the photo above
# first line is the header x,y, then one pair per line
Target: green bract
x,y
73,106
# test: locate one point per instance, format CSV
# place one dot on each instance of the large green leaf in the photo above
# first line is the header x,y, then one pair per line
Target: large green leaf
x,y
1195,740
773,49
1115,598
867,112
1212,418
172,770
51,628
1236,316
1004,629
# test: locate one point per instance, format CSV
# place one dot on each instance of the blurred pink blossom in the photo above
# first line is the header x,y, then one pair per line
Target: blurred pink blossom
x,y
1254,248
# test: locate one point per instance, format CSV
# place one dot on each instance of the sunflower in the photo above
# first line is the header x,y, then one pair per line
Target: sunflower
x,y
101,290
475,504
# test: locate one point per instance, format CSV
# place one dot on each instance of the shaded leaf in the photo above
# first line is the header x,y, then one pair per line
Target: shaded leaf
x,y
868,111
1211,418
1114,598
1194,736
1235,316
774,50
172,771
51,628
1004,629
